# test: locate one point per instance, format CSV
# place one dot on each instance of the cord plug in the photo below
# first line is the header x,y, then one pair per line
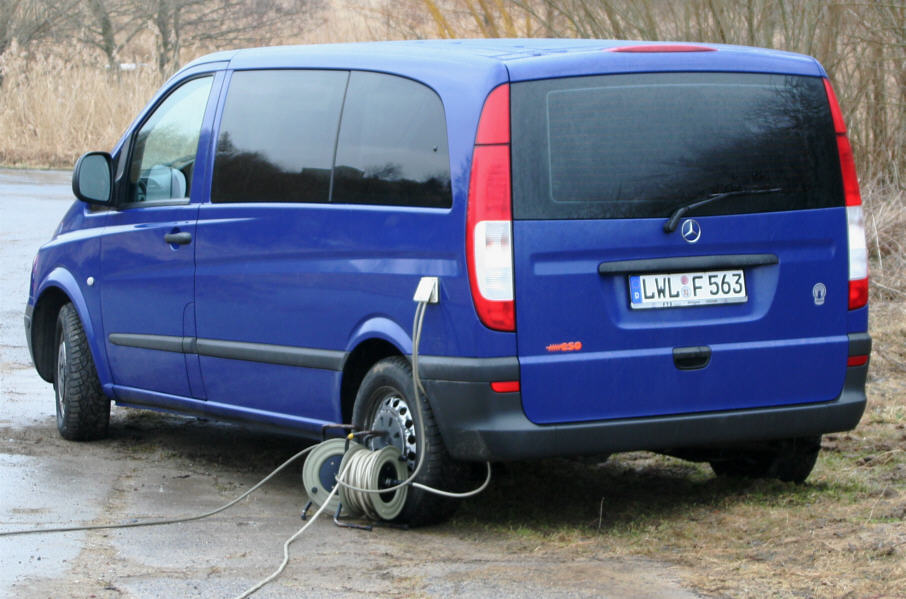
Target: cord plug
x,y
426,291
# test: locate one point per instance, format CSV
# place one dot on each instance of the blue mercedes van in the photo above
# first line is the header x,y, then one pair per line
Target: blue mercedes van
x,y
632,246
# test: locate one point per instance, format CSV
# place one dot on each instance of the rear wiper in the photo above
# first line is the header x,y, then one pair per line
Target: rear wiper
x,y
670,225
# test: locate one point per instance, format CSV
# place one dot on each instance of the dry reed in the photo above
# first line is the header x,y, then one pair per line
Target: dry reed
x,y
885,227
52,111
57,104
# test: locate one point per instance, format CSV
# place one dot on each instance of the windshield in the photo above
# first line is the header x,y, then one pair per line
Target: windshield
x,y
642,145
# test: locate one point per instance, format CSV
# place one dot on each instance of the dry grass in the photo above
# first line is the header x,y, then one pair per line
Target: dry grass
x,y
840,535
56,106
61,102
54,111
885,223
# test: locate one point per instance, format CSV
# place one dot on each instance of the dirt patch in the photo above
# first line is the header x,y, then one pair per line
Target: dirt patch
x,y
156,465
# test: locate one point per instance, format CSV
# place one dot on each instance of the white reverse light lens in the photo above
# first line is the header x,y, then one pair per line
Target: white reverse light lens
x,y
858,253
494,259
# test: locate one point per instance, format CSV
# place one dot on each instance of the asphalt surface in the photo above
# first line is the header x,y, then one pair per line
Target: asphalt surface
x,y
156,465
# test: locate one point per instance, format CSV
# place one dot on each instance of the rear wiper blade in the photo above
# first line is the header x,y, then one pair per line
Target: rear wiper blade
x,y
670,225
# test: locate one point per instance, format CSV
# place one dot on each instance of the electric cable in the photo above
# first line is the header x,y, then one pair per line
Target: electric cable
x,y
417,384
273,576
167,521
419,423
364,465
365,469
462,495
417,323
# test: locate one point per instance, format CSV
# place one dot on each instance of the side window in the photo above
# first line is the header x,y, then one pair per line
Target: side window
x,y
277,136
392,147
164,149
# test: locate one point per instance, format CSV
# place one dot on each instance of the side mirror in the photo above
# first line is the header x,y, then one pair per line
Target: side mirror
x,y
92,178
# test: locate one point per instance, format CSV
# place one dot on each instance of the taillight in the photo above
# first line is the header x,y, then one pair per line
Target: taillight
x,y
858,252
857,360
489,220
858,258
505,386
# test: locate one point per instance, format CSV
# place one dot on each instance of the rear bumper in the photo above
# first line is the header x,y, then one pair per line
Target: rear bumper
x,y
479,424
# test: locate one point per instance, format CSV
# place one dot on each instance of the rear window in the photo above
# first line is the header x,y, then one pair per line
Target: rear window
x,y
393,144
637,146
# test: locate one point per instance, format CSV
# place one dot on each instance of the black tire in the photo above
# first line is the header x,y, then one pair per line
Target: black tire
x,y
83,411
789,460
385,390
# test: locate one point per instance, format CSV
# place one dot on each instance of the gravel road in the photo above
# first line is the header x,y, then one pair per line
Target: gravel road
x,y
156,465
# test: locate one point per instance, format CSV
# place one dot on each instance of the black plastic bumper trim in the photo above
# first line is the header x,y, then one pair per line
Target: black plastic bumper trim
x,y
478,424
685,263
477,370
859,344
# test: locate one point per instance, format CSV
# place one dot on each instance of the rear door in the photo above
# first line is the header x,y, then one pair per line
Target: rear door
x,y
742,305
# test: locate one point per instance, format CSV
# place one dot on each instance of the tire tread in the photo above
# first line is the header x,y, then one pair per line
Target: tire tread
x,y
439,470
87,408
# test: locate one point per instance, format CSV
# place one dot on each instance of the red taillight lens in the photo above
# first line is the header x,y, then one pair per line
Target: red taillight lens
x,y
857,360
848,167
494,124
505,386
489,186
858,293
858,252
847,163
489,227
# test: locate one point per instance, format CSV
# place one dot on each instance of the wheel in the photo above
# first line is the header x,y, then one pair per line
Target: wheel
x,y
83,411
789,460
385,402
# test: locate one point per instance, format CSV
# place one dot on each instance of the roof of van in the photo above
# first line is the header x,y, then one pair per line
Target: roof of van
x,y
520,59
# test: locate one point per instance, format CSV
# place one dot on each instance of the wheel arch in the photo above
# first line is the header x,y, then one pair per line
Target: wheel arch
x,y
43,330
374,340
58,289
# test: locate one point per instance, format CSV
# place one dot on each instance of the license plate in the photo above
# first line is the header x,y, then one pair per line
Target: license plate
x,y
677,290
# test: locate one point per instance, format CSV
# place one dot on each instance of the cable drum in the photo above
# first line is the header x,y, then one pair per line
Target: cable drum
x,y
319,473
374,470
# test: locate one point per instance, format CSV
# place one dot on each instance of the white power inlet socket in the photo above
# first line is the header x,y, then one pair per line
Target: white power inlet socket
x,y
427,290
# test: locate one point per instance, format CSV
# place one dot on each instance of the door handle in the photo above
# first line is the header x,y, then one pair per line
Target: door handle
x,y
181,238
691,358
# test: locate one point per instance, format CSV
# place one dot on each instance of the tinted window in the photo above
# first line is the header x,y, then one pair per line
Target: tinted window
x,y
393,144
630,146
164,149
277,136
